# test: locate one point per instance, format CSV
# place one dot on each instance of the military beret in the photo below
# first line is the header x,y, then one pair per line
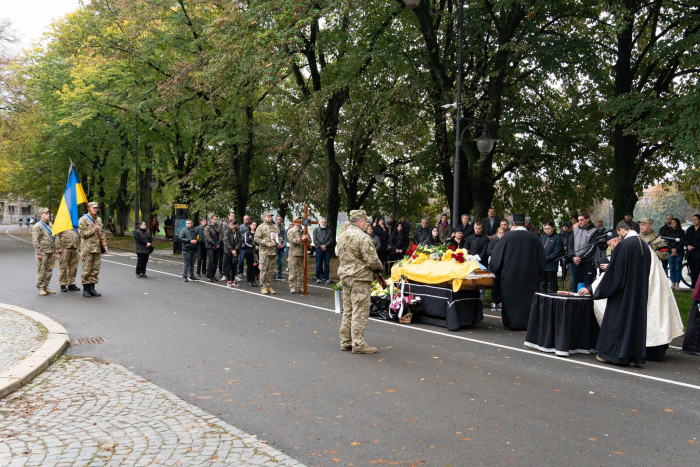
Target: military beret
x,y
646,220
358,214
267,213
94,205
42,210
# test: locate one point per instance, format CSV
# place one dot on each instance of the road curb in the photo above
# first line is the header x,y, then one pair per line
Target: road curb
x,y
56,341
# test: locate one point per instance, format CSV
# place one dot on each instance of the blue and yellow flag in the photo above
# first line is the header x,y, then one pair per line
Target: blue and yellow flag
x,y
67,217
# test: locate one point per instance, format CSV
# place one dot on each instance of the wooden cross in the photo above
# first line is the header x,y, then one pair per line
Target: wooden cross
x,y
306,247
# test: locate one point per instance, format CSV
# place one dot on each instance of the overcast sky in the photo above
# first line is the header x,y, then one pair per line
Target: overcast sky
x,y
31,17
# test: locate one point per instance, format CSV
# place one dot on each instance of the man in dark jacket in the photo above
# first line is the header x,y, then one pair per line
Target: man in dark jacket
x,y
188,238
214,243
478,243
565,234
324,239
232,250
280,251
201,247
491,223
457,240
629,215
422,234
691,240
465,227
583,247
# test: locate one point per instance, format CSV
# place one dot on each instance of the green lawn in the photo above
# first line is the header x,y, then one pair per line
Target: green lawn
x,y
684,301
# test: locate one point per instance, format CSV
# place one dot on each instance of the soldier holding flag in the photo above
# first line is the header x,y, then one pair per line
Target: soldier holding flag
x,y
92,244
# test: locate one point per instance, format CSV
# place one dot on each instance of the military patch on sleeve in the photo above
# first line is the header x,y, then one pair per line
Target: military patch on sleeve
x,y
371,248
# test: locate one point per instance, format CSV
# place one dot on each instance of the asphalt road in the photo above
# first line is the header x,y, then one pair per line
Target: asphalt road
x,y
271,366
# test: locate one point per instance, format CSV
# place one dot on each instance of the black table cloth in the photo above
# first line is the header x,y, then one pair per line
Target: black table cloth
x,y
445,308
562,325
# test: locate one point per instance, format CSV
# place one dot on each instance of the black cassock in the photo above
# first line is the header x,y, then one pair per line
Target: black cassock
x,y
623,332
518,260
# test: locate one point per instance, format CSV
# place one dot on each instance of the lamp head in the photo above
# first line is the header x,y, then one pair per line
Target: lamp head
x,y
486,142
109,124
379,177
411,4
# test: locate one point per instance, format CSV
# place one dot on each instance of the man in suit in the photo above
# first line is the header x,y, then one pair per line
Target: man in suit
x,y
491,223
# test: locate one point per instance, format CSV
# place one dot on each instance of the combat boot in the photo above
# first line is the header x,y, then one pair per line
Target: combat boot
x,y
263,290
292,290
93,292
74,288
49,291
64,288
269,290
42,292
345,346
364,348
86,291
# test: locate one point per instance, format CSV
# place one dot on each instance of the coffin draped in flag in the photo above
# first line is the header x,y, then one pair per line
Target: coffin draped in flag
x,y
67,216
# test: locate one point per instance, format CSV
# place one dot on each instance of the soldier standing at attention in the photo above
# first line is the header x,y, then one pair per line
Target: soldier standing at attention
x,y
296,239
358,261
90,231
45,251
68,243
267,236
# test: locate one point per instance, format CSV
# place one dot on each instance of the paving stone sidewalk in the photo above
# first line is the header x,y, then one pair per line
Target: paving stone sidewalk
x,y
19,337
82,411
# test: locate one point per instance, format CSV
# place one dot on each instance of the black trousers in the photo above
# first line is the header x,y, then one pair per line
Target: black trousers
x,y
201,259
548,281
584,272
189,259
691,341
252,270
694,265
230,266
141,261
496,291
214,259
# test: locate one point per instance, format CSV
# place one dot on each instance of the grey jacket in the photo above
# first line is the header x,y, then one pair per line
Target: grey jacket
x,y
186,236
323,236
232,240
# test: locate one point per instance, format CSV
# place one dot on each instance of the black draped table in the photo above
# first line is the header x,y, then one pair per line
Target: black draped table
x,y
443,307
562,325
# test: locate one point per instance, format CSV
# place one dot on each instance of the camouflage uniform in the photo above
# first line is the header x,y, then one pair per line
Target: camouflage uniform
x,y
656,245
296,258
68,242
91,251
358,258
43,245
268,255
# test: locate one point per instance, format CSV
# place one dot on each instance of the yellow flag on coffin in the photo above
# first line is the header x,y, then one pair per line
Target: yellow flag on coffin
x,y
435,272
67,216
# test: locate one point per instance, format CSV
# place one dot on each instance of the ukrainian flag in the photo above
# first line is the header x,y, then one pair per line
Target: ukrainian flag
x,y
67,217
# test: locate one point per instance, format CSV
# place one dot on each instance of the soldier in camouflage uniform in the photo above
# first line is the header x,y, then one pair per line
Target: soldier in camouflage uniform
x,y
647,234
90,231
268,252
297,247
358,261
68,243
45,251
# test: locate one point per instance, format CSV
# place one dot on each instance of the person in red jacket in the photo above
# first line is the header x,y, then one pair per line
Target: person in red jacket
x,y
154,225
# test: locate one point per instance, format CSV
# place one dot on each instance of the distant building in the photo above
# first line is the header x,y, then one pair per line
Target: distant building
x,y
12,210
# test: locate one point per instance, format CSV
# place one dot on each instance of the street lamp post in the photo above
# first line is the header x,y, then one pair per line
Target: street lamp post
x,y
109,124
486,141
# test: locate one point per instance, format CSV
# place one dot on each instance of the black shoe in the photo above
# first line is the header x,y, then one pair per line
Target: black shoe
x,y
73,288
199,275
138,276
193,279
86,291
251,284
93,292
64,288
144,275
184,279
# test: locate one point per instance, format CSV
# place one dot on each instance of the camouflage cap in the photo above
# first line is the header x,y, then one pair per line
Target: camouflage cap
x,y
267,213
297,220
94,205
358,214
42,210
645,220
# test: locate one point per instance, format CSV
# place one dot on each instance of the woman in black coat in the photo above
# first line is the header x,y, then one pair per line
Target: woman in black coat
x,y
399,243
143,244
381,231
434,239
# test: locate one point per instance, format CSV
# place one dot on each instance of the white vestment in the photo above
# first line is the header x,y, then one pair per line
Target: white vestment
x,y
663,318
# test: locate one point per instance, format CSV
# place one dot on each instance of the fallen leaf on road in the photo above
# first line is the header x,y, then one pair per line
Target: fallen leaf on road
x,y
355,443
391,390
465,439
335,459
619,453
668,410
592,439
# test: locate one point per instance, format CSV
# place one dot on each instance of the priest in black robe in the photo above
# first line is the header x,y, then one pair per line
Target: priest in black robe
x,y
623,331
518,260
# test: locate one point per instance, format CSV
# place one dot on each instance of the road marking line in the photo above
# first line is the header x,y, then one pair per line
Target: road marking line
x,y
439,333
468,339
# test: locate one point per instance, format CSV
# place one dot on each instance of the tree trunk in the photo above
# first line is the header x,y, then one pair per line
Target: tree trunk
x,y
241,164
122,204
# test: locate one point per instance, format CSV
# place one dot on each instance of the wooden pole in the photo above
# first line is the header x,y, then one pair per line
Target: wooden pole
x,y
306,250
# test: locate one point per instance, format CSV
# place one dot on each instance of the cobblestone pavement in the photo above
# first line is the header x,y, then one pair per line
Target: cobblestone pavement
x,y
20,337
81,411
